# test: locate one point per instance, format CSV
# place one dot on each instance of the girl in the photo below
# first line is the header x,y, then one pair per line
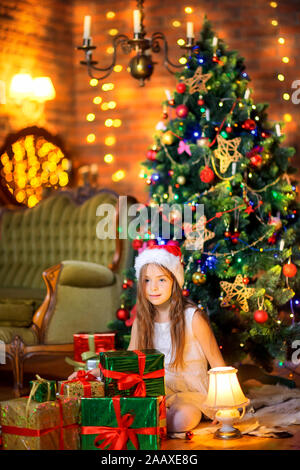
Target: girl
x,y
170,323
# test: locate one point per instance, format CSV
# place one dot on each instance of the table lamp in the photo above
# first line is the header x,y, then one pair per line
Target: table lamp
x,y
225,395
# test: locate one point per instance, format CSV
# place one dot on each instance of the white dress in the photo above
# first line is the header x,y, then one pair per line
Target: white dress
x,y
190,384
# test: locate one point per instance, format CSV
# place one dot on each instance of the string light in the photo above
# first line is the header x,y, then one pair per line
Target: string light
x,y
280,77
286,96
110,140
113,32
118,175
107,86
110,15
91,138
93,82
90,117
281,40
108,158
285,60
176,24
188,10
180,42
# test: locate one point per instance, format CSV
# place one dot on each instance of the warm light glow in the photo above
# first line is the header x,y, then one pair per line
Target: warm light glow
x,y
285,60
224,390
110,50
113,32
287,117
32,201
97,100
108,122
118,68
176,24
110,140
180,42
188,10
93,82
274,22
108,86
110,15
281,40
108,158
104,106
91,138
117,123
280,77
118,175
43,89
21,86
273,4
111,104
182,60
286,96
90,117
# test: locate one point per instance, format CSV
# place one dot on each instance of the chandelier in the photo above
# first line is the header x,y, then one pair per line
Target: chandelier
x,y
141,65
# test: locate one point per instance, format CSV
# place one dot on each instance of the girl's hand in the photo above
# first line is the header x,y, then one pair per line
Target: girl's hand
x,y
72,376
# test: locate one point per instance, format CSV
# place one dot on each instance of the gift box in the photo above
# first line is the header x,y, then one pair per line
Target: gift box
x,y
42,390
51,425
119,423
83,385
92,364
133,373
87,346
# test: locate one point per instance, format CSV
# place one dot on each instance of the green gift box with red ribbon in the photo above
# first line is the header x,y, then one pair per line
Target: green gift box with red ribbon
x,y
120,423
133,373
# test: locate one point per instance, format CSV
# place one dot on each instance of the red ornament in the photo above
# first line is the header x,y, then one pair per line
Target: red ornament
x,y
256,160
171,102
249,125
165,115
125,285
260,316
182,111
129,282
122,314
227,234
172,243
185,292
151,242
151,155
181,87
189,435
246,280
201,102
272,240
234,237
136,244
289,270
228,129
206,175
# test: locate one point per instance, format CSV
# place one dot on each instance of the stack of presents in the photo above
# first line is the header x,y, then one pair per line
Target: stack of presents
x,y
122,409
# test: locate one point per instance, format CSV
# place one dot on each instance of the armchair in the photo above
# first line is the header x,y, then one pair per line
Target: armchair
x,y
55,242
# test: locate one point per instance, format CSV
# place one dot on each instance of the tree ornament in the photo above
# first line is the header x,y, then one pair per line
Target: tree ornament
x,y
227,152
122,314
181,180
125,285
168,138
189,435
151,155
227,234
182,111
181,87
246,280
228,129
129,282
171,102
185,292
238,290
276,222
206,175
249,125
198,81
227,260
272,240
256,160
197,234
289,270
151,242
137,244
234,237
199,278
260,316
200,101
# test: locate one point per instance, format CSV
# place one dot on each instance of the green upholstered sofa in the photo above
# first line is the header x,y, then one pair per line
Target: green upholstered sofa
x,y
57,277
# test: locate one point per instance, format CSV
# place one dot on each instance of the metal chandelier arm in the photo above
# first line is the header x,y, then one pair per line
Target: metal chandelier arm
x,y
155,38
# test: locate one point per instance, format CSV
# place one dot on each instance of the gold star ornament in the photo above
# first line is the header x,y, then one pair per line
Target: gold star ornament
x,y
237,290
227,152
197,81
197,234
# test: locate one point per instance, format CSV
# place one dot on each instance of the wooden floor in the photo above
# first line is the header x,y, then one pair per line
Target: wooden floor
x,y
58,369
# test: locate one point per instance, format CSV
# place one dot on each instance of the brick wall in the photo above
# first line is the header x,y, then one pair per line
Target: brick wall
x,y
41,36
36,37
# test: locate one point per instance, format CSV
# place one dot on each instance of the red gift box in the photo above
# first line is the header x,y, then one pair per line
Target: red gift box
x,y
95,342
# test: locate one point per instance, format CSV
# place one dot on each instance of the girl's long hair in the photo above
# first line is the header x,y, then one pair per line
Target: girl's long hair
x,y
146,315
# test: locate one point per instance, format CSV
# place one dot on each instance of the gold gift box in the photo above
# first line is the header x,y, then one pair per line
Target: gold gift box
x,y
76,389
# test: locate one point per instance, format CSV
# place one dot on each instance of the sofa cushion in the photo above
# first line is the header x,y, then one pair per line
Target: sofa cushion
x,y
8,333
16,312
26,293
85,274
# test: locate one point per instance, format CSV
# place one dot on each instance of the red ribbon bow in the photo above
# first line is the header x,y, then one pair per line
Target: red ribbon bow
x,y
126,380
117,438
83,377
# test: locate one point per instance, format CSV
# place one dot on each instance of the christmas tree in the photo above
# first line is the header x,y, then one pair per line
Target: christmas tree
x,y
215,147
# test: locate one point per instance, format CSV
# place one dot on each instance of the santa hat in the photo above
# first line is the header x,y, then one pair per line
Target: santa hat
x,y
168,256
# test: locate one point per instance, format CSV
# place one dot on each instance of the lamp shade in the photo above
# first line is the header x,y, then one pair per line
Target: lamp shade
x,y
224,390
43,89
21,86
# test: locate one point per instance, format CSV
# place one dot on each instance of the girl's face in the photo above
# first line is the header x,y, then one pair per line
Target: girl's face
x,y
158,285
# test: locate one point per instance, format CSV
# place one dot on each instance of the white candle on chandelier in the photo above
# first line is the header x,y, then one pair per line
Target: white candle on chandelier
x,y
87,27
278,130
136,21
190,29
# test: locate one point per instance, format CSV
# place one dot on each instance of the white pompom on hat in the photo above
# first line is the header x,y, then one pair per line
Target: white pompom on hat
x,y
168,256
